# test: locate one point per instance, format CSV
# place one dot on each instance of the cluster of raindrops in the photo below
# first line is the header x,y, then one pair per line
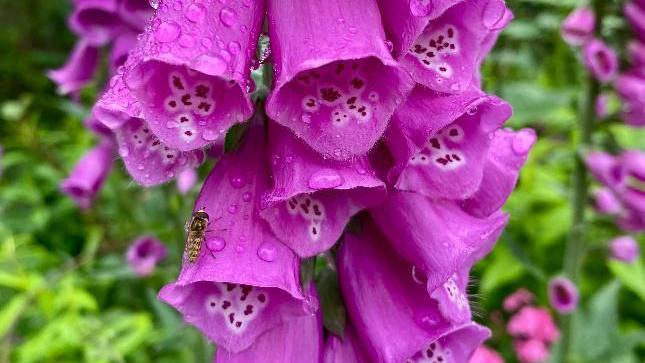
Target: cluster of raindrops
x,y
436,151
311,210
432,49
237,304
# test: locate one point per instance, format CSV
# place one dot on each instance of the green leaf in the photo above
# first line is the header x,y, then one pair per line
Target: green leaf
x,y
500,268
631,275
596,327
11,311
331,302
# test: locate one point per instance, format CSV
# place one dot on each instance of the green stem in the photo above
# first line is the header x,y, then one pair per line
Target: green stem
x,y
575,248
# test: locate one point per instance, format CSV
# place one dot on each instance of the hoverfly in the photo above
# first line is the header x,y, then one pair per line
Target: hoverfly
x,y
195,228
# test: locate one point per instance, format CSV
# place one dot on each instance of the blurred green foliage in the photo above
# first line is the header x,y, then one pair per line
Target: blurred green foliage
x,y
66,294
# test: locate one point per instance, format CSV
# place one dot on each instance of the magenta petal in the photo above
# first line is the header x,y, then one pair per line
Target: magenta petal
x,y
313,198
507,155
563,295
186,180
533,323
121,47
458,345
79,69
624,248
144,254
441,241
440,141
191,69
347,349
95,21
337,84
606,202
117,105
635,15
297,340
89,174
135,13
601,60
385,301
604,167
484,354
578,27
238,257
446,55
631,89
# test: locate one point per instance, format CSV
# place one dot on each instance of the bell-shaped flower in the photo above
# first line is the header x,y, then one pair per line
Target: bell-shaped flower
x,y
337,84
441,46
441,242
298,340
606,202
518,299
507,154
135,13
89,174
345,349
440,141
578,27
563,295
531,350
484,354
601,60
631,89
96,21
123,43
238,281
624,248
313,198
533,323
79,69
394,317
144,254
190,70
635,14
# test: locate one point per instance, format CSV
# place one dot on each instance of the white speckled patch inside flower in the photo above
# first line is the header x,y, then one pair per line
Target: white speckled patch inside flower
x,y
433,47
311,210
142,138
438,151
455,294
238,304
434,353
339,90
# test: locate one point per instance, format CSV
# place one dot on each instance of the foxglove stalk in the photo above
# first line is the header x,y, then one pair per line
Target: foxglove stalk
x,y
577,29
297,340
243,282
440,141
441,42
384,300
195,58
313,198
441,242
601,60
346,349
89,174
624,248
563,295
337,84
79,69
144,254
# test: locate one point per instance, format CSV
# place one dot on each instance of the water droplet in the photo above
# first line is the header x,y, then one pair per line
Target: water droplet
x,y
186,41
471,110
289,159
207,43
360,169
426,320
239,248
232,208
195,13
213,65
275,159
172,125
124,151
210,135
267,252
167,32
420,7
238,181
234,47
215,244
247,196
306,118
140,167
389,45
352,29
454,87
154,4
228,16
325,179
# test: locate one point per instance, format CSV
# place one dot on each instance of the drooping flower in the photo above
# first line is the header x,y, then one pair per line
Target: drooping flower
x,y
337,84
624,248
186,180
346,349
484,354
135,13
601,60
443,41
384,299
242,281
144,254
196,57
96,21
298,340
123,43
79,69
440,141
606,202
578,27
89,174
533,323
531,350
563,295
631,89
635,14
313,198
518,299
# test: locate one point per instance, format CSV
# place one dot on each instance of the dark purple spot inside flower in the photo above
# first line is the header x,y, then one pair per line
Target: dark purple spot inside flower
x,y
230,287
358,83
262,298
176,81
185,99
226,304
248,310
201,91
231,317
435,143
330,94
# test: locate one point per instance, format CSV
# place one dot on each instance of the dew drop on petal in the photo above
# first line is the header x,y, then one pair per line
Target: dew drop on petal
x,y
167,32
420,7
228,16
238,181
267,252
232,209
124,151
195,13
234,47
215,244
210,135
325,179
247,196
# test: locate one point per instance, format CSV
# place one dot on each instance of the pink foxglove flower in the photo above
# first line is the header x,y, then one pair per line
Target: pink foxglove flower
x,y
563,295
313,198
186,180
531,351
484,354
624,248
631,89
601,60
298,340
196,57
440,141
518,299
144,254
606,202
578,28
347,349
533,323
635,14
441,42
96,21
135,13
384,299
89,174
243,281
79,69
337,84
